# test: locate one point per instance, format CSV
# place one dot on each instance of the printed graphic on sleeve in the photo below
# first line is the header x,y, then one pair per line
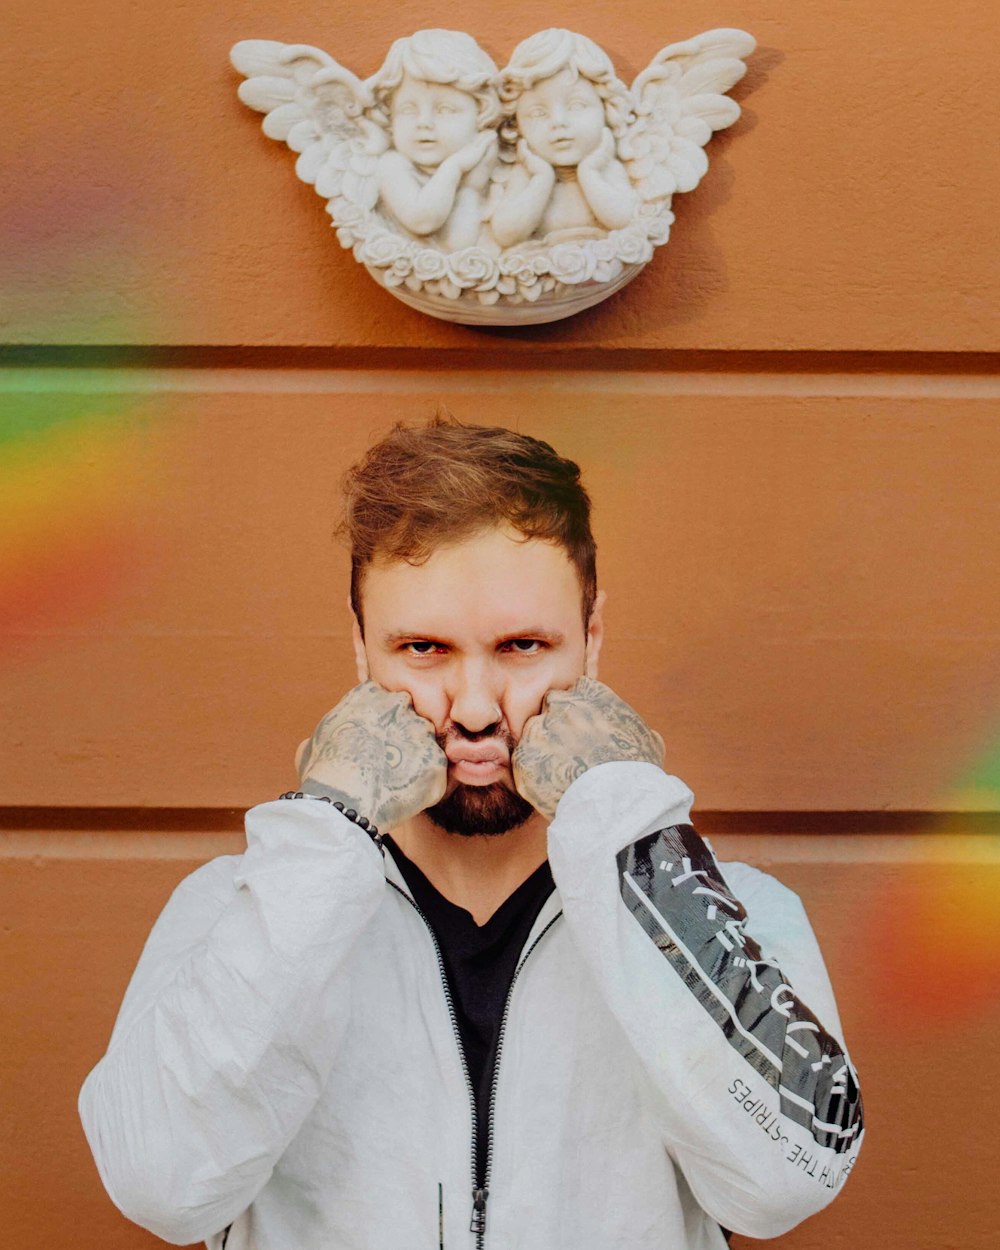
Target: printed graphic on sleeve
x,y
671,883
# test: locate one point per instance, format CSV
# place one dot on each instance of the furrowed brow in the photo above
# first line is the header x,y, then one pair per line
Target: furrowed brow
x,y
553,637
410,635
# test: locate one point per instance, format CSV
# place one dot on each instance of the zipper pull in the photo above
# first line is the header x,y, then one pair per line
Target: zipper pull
x,y
478,1224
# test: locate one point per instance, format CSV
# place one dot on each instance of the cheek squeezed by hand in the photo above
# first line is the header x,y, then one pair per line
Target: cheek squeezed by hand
x,y
375,754
578,729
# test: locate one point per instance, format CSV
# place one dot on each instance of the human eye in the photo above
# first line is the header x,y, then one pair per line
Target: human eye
x,y
421,646
523,646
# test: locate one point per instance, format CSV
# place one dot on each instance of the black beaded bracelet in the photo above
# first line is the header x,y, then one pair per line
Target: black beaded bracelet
x,y
361,821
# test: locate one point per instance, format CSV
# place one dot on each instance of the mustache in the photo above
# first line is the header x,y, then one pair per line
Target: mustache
x,y
495,733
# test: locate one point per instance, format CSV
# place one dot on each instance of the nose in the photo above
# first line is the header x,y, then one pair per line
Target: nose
x,y
476,698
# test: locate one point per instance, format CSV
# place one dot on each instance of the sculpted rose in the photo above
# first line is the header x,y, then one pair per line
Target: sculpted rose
x,y
429,264
518,266
472,267
571,263
607,270
351,221
633,247
658,230
382,249
399,270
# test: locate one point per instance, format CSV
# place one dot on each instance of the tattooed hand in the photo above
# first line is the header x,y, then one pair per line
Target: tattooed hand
x,y
576,730
375,754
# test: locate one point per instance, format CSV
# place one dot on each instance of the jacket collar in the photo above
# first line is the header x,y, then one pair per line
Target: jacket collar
x,y
551,908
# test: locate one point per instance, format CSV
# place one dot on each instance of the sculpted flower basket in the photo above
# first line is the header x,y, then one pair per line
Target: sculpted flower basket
x,y
490,196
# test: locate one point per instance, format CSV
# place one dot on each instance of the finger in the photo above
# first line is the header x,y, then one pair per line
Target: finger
x,y
532,726
363,692
431,730
441,789
559,696
584,687
554,697
300,755
520,780
374,690
590,685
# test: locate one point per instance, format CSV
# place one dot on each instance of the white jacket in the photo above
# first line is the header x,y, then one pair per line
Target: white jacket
x,y
286,1062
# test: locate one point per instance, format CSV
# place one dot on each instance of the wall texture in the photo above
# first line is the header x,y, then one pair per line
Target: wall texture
x,y
790,429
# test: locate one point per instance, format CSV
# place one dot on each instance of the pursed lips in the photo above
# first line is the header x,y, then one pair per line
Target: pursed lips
x,y
477,753
477,763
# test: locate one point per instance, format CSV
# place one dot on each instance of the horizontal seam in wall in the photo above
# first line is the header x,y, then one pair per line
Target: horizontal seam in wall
x,y
202,820
41,847
242,381
541,356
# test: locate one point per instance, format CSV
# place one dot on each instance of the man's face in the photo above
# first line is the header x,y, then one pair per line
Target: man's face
x,y
477,635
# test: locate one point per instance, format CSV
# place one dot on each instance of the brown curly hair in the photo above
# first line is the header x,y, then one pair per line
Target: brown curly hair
x,y
425,486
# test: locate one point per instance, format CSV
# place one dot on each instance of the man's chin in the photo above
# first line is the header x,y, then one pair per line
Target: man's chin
x,y
480,811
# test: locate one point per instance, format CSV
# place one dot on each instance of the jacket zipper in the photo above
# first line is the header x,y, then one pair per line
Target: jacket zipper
x,y
479,1196
461,1049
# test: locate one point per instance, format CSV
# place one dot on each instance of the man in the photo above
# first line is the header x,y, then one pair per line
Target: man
x,y
385,1026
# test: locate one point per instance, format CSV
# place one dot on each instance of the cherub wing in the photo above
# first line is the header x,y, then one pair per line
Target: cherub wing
x,y
319,109
679,102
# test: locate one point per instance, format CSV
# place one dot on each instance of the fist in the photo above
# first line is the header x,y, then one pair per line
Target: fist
x,y
576,730
375,754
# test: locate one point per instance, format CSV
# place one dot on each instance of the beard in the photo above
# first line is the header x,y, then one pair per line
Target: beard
x,y
480,811
484,811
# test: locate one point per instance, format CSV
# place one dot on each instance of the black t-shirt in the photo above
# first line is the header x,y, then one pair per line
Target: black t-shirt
x,y
479,962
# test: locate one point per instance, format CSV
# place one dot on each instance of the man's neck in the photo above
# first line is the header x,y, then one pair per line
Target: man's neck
x,y
477,873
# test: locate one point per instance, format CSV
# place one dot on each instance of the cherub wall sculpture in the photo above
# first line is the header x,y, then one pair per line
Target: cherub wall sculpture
x,y
493,196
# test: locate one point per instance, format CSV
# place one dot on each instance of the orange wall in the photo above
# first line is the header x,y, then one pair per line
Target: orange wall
x,y
846,210
789,426
802,576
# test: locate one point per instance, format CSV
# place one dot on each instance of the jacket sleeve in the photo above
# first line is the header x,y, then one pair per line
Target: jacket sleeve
x,y
724,1000
231,1022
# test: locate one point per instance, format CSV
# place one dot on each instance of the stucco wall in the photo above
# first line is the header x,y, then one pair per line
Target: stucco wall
x,y
789,426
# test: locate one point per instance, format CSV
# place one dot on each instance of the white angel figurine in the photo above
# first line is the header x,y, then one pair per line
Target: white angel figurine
x,y
569,109
417,184
437,95
434,98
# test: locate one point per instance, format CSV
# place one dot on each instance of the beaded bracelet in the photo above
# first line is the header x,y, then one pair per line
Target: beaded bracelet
x,y
361,821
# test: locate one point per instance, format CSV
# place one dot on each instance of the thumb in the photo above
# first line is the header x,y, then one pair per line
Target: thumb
x,y
300,755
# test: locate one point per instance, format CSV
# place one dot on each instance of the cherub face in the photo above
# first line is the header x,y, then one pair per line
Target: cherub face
x,y
430,120
561,118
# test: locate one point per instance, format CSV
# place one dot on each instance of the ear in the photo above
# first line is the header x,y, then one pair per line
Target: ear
x,y
360,654
595,635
